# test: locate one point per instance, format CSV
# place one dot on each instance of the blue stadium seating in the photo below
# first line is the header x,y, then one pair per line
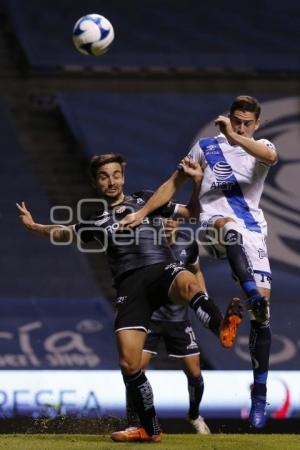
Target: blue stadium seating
x,y
169,33
42,285
148,129
31,266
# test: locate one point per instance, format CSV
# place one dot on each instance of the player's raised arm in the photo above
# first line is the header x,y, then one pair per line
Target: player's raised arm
x,y
58,233
193,170
160,197
263,150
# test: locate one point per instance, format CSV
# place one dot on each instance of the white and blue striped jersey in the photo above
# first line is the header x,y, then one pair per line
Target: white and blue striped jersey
x,y
233,182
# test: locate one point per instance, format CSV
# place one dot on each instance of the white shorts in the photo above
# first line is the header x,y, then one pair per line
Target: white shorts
x,y
254,244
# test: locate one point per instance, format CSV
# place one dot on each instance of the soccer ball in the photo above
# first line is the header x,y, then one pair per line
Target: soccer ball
x,y
93,34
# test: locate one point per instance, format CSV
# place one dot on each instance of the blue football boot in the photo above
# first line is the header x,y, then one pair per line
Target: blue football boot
x,y
258,416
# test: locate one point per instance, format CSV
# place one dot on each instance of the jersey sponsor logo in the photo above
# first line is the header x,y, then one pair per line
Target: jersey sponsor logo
x,y
140,201
112,228
222,185
100,222
222,170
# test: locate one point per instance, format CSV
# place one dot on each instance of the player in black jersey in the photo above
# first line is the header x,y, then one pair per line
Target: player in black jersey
x,y
144,269
171,323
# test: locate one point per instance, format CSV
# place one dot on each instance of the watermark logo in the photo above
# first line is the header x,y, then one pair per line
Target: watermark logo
x,y
103,229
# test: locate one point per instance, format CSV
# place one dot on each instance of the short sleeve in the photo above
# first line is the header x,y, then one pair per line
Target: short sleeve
x,y
196,153
84,231
142,197
169,210
270,145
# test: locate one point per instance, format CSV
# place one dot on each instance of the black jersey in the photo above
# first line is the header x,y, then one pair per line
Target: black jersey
x,y
129,249
185,251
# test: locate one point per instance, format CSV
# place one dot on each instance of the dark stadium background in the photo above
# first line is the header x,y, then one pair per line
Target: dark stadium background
x,y
173,67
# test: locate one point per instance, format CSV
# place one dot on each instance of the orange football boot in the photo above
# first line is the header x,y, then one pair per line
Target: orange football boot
x,y
233,318
135,434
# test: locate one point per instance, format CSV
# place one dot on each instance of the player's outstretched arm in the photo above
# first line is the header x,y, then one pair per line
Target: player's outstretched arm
x,y
259,150
162,196
58,233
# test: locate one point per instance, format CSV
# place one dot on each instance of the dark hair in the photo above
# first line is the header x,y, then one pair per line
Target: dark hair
x,y
246,103
99,160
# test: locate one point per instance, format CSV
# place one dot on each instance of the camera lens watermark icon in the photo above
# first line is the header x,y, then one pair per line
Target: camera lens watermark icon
x,y
61,211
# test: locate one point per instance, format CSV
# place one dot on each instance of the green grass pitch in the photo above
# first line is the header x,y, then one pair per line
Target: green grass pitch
x,y
169,442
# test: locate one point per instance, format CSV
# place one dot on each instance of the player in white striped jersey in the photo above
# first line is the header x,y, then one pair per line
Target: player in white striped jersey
x,y
233,181
231,222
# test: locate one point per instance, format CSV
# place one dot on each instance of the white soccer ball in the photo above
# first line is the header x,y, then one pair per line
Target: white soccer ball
x,y
93,34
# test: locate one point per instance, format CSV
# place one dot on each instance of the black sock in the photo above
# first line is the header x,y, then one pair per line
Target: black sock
x,y
140,391
259,347
207,312
195,388
239,262
131,413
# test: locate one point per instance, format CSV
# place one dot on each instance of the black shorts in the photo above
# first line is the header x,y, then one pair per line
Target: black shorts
x,y
143,291
179,338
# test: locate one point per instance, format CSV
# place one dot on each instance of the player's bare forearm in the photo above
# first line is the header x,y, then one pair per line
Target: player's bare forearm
x,y
193,170
257,149
254,148
165,192
58,233
193,205
160,197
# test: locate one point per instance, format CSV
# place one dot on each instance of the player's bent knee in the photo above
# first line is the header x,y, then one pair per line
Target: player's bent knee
x,y
128,367
193,373
186,286
192,369
192,289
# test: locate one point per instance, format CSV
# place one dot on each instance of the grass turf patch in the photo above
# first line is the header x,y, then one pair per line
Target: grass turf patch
x,y
170,442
